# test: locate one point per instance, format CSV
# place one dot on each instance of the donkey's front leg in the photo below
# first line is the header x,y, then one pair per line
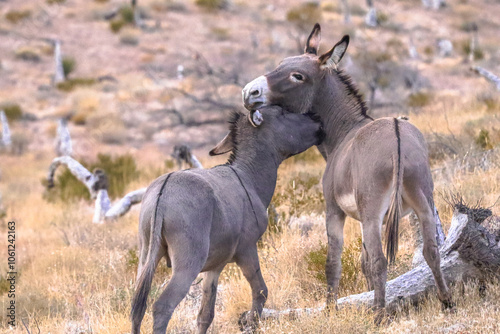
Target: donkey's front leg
x,y
335,220
249,264
207,310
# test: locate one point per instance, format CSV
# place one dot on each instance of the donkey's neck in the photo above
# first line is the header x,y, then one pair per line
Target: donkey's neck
x,y
258,170
342,111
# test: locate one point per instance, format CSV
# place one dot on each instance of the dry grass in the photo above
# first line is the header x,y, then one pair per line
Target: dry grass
x,y
79,276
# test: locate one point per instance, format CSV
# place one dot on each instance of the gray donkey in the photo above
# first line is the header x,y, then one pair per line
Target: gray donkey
x,y
200,220
377,170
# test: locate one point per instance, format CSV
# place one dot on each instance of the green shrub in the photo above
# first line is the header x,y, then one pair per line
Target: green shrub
x,y
221,34
308,156
491,101
129,38
305,15
127,14
300,194
483,140
120,170
351,279
212,4
51,2
20,142
13,111
70,84
116,25
382,17
27,54
478,52
357,10
132,260
419,100
14,16
316,261
5,284
69,65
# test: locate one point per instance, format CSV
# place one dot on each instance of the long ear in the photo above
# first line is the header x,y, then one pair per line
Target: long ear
x,y
225,145
312,44
333,57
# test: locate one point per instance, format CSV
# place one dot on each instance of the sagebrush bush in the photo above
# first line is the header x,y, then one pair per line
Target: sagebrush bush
x,y
27,54
305,15
14,16
419,100
212,4
120,170
116,25
13,111
71,84
478,51
129,38
351,280
69,65
483,140
127,14
300,194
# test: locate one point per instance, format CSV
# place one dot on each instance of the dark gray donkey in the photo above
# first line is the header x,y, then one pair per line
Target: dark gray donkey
x,y
200,220
376,169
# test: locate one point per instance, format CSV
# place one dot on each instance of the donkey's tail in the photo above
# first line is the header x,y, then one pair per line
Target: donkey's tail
x,y
394,212
143,283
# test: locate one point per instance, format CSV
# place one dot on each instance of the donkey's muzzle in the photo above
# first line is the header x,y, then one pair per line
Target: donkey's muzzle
x,y
255,93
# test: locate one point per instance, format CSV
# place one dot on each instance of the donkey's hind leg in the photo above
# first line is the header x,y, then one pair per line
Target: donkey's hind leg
x,y
425,214
377,261
366,266
335,220
207,310
176,290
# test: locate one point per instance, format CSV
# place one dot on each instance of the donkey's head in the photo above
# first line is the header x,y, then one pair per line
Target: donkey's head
x,y
271,133
295,83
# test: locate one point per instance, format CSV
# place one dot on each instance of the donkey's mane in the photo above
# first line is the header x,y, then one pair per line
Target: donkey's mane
x,y
353,91
234,119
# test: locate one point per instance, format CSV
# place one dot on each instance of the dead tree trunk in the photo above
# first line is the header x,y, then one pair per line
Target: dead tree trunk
x,y
371,16
97,185
63,139
6,138
346,10
474,42
471,251
488,75
59,70
183,155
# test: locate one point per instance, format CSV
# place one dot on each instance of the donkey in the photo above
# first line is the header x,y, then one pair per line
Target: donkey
x,y
200,220
377,170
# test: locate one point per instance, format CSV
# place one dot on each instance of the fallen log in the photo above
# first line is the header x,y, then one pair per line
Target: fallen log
x,y
470,251
97,185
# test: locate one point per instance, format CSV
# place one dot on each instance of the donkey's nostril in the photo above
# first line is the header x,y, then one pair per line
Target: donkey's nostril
x,y
255,92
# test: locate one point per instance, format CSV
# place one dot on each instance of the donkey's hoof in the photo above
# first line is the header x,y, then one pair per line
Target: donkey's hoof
x,y
247,322
382,318
449,306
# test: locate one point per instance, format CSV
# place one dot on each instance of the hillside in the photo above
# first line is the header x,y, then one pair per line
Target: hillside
x,y
139,90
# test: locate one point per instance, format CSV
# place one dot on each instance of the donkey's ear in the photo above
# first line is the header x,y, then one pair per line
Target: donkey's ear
x,y
312,45
333,57
225,145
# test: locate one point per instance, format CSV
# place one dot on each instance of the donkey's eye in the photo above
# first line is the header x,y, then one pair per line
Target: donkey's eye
x,y
297,77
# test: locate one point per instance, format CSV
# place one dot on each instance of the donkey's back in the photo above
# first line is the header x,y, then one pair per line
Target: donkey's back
x,y
190,206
